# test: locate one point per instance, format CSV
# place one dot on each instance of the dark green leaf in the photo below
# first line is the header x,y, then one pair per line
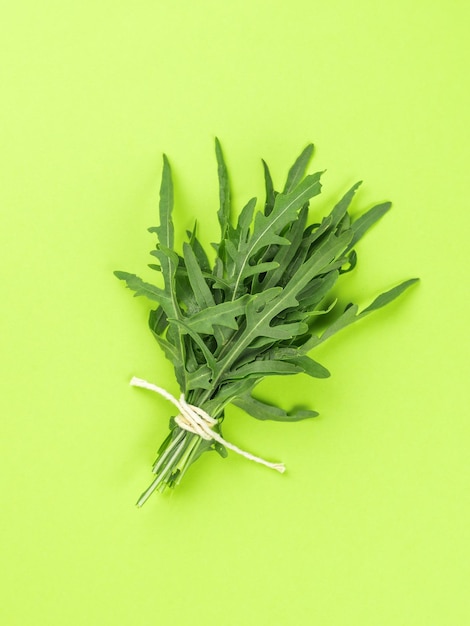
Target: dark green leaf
x,y
389,296
184,327
201,290
351,314
199,251
266,229
158,321
244,221
260,369
260,268
366,221
224,192
220,449
310,367
297,171
223,314
341,208
285,254
263,411
165,231
200,378
270,193
142,288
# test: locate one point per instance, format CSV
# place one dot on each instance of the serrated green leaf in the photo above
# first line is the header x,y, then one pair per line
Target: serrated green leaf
x,y
351,261
169,350
142,288
165,231
345,319
366,221
166,256
231,255
200,378
224,192
351,314
266,229
316,290
313,238
263,307
285,254
260,268
297,171
328,250
310,367
199,251
340,209
158,321
244,221
260,369
183,327
264,411
388,296
223,314
201,290
270,193
284,332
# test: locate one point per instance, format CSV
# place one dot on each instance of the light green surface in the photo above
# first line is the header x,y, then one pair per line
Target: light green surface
x,y
370,524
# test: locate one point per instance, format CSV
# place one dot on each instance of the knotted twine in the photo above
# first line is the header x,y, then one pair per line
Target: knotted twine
x,y
196,420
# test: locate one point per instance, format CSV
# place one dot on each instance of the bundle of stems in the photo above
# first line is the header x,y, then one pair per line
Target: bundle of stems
x,y
253,310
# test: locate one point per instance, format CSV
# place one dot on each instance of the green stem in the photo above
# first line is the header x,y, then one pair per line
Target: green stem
x,y
158,463
164,472
176,455
186,459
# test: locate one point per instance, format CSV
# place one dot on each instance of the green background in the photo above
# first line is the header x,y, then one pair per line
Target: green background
x,y
369,526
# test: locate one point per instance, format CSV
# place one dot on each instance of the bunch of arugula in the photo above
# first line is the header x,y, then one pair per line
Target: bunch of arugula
x,y
253,312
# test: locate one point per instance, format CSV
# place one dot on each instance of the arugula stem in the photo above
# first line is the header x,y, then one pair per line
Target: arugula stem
x,y
158,463
168,467
187,457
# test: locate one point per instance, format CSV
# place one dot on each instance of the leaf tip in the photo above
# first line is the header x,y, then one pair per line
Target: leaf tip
x,y
218,148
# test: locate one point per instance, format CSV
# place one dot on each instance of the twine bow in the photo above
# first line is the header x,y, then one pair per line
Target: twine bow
x,y
196,420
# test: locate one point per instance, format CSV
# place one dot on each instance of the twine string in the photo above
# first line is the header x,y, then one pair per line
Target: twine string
x,y
197,421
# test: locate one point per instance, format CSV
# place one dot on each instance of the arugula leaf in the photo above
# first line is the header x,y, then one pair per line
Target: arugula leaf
x,y
366,221
264,411
224,192
165,232
223,314
199,251
340,210
310,367
388,296
201,289
297,171
270,193
142,288
266,229
351,314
